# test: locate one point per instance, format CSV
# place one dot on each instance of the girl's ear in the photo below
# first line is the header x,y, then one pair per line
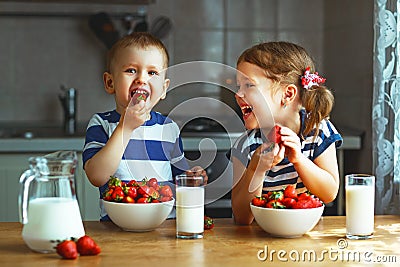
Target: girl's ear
x,y
165,87
289,94
108,83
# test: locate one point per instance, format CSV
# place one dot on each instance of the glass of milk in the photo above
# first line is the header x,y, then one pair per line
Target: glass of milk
x,y
360,199
189,206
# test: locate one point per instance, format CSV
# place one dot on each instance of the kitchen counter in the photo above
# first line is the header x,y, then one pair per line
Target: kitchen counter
x,y
190,142
225,245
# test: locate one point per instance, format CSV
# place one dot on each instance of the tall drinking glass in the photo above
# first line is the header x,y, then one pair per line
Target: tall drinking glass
x,y
360,199
189,206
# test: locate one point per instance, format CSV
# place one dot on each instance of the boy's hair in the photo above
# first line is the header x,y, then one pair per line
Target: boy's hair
x,y
140,40
285,63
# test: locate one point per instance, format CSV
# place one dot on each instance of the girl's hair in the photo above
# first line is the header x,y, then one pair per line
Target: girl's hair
x,y
285,63
141,40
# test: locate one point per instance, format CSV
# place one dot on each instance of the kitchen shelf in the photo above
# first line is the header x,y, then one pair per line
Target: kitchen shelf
x,y
34,14
114,2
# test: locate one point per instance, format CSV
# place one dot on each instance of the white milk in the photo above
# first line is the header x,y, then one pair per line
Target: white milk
x,y
360,209
190,209
51,218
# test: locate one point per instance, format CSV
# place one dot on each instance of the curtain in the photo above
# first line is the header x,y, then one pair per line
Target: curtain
x,y
386,106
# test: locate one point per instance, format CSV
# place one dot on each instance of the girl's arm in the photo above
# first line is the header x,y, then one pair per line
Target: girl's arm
x,y
248,183
320,176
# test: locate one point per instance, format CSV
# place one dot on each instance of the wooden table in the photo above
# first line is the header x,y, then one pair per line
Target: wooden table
x,y
226,245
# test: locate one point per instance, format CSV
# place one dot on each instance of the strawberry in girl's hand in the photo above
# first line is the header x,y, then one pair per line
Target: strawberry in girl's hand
x,y
86,246
275,135
67,249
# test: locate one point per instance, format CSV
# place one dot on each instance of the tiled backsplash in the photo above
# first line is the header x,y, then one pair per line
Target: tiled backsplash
x,y
39,54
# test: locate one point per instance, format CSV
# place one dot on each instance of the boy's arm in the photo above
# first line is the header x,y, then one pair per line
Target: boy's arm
x,y
104,163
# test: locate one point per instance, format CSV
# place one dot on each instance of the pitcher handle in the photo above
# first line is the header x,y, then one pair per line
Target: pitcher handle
x,y
25,180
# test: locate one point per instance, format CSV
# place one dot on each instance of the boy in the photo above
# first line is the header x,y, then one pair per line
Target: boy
x,y
132,141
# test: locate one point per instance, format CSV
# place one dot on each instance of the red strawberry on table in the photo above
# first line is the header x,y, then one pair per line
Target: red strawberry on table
x,y
86,246
208,223
275,135
67,249
139,95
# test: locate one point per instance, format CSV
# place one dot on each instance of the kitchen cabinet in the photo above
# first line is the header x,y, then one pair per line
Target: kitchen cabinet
x,y
87,194
11,168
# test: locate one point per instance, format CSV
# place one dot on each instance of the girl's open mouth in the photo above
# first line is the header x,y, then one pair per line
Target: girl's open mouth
x,y
246,111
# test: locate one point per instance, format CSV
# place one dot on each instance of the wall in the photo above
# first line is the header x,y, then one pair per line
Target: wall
x,y
348,46
40,54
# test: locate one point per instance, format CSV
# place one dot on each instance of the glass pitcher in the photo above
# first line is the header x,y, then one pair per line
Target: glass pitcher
x,y
48,207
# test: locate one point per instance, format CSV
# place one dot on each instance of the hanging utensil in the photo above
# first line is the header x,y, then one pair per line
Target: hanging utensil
x,y
130,25
103,28
160,27
141,26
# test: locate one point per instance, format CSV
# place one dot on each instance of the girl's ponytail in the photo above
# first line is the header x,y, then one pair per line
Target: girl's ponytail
x,y
318,102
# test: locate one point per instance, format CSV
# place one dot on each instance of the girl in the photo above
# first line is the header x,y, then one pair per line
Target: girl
x,y
283,75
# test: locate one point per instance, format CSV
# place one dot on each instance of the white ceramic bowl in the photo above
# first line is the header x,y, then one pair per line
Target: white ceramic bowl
x,y
287,223
138,217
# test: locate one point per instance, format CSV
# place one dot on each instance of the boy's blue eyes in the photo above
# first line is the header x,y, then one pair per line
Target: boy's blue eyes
x,y
153,72
134,71
131,70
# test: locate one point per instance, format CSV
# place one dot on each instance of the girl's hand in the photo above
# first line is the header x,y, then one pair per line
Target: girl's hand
x,y
291,145
264,156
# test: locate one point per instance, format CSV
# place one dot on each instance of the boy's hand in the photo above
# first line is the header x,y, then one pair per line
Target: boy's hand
x,y
135,116
197,170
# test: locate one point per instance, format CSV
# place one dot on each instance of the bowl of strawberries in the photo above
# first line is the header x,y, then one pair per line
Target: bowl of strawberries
x,y
286,213
138,206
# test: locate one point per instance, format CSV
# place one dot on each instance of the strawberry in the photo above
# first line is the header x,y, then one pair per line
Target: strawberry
x,y
114,182
290,191
275,134
208,223
118,194
138,96
166,191
86,246
275,204
165,199
258,201
67,249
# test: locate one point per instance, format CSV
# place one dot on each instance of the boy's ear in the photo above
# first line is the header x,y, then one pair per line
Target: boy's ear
x,y
165,87
108,83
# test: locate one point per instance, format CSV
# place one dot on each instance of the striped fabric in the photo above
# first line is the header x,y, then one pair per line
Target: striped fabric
x,y
154,150
284,173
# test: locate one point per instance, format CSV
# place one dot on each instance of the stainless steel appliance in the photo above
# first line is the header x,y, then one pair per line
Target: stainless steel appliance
x,y
211,157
